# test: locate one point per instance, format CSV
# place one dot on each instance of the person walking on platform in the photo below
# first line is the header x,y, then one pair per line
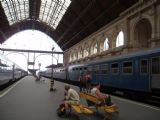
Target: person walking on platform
x,y
106,99
88,80
71,96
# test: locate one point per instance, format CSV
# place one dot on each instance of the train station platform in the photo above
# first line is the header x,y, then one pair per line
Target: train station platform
x,y
31,100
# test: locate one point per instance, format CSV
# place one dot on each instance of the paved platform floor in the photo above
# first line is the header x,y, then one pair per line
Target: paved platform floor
x,y
32,100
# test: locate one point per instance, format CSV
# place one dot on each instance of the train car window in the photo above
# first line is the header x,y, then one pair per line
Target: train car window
x,y
128,67
114,68
104,69
90,68
80,68
73,69
85,68
76,68
144,66
156,65
96,69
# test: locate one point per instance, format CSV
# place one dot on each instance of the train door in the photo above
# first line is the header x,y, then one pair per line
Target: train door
x,y
66,73
96,73
144,82
71,73
90,70
155,72
76,75
79,73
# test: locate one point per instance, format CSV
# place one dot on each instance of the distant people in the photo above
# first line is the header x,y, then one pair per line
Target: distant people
x,y
88,79
37,79
71,96
106,99
39,76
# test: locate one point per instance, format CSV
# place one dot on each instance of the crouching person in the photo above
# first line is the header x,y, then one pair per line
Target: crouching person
x,y
106,99
71,97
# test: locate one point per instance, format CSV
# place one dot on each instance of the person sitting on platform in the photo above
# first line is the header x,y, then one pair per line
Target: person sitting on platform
x,y
71,96
106,99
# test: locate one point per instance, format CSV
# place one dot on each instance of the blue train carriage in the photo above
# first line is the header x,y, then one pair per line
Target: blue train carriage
x,y
59,72
133,72
46,73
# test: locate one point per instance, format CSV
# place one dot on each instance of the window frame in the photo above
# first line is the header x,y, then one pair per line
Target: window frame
x,y
127,67
96,71
152,65
90,68
141,67
114,68
106,68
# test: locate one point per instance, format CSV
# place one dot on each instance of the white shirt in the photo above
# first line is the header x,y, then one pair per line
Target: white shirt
x,y
72,95
93,91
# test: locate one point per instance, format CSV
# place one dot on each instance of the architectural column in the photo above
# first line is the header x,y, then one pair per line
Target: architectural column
x,y
126,32
155,15
98,45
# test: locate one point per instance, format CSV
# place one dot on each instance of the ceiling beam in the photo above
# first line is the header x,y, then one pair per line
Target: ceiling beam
x,y
34,6
111,6
35,51
75,21
3,35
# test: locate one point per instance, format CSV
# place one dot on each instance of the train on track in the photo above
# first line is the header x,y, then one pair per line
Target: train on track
x,y
9,71
137,72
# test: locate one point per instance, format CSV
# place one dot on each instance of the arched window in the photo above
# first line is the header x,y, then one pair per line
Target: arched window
x,y
80,54
85,52
94,48
106,45
71,58
142,33
75,55
120,39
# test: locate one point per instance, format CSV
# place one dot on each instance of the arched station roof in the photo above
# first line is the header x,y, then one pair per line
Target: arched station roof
x,y
81,18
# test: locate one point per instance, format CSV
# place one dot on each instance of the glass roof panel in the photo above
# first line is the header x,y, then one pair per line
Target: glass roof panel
x,y
16,10
52,11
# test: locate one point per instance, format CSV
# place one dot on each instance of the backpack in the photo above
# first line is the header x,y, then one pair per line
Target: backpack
x,y
61,110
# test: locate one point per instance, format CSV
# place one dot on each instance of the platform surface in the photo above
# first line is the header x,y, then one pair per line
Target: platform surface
x,y
32,100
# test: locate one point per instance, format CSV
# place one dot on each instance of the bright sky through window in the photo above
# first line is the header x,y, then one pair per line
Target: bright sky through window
x,y
32,40
16,10
120,39
52,11
106,45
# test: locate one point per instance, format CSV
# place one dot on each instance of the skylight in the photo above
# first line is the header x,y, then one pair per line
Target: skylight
x,y
16,10
52,11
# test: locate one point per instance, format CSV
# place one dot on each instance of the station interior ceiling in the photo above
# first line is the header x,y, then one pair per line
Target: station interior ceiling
x,y
81,18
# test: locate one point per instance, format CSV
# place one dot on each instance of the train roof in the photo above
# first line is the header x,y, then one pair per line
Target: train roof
x,y
135,54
